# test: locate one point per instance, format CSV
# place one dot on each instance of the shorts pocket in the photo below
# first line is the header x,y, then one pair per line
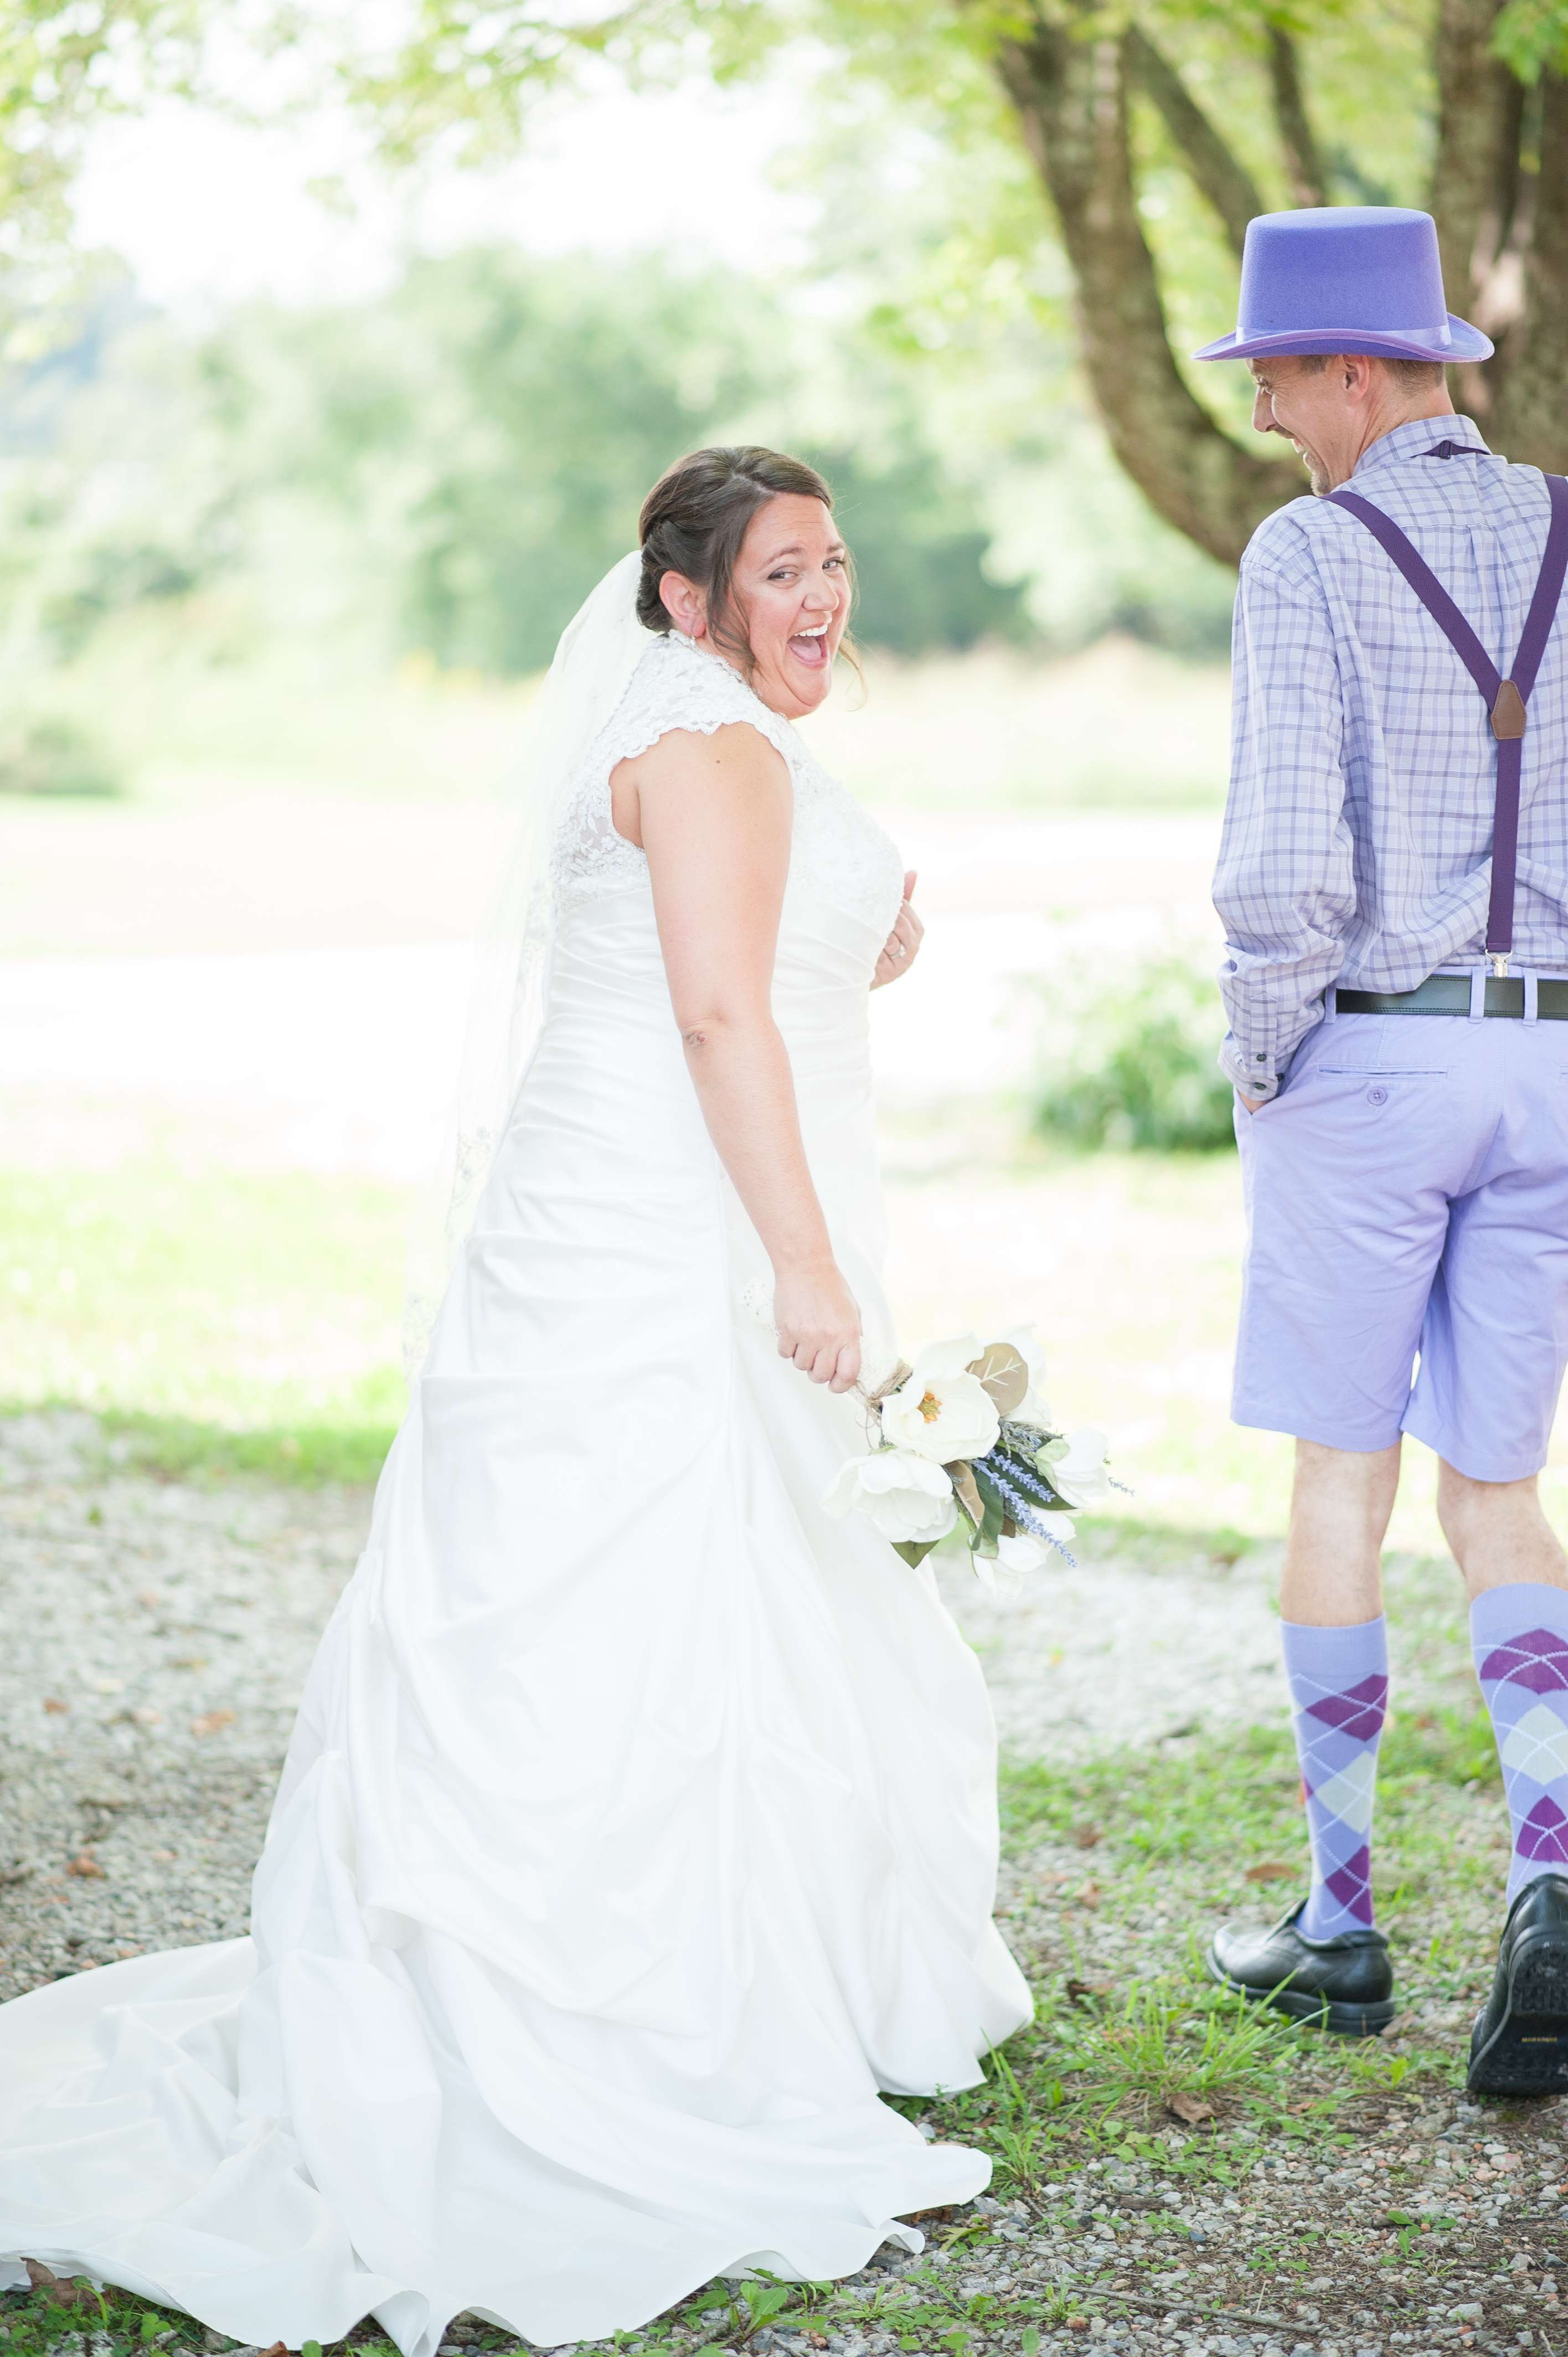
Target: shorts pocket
x,y
1390,1045
1385,1072
1331,1094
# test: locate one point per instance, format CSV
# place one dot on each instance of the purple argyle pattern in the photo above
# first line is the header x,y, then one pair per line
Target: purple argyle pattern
x,y
1520,1634
1339,1689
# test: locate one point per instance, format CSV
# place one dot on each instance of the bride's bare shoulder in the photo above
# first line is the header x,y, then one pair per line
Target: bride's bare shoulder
x,y
698,770
736,750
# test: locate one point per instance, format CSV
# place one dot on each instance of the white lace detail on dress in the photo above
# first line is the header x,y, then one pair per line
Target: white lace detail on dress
x,y
840,854
836,852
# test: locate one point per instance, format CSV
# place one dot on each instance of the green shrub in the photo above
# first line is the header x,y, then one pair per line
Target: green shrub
x,y
1136,1067
53,756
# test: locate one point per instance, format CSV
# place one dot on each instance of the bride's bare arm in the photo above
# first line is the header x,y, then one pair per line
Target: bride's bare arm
x,y
714,815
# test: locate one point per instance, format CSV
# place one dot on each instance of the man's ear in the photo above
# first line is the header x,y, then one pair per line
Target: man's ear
x,y
685,604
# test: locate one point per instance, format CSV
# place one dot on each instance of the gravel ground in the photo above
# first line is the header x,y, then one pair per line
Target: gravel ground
x,y
1140,2253
159,1634
158,1637
1086,1660
156,1640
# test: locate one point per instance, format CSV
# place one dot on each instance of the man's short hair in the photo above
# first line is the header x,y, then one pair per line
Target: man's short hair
x,y
1410,376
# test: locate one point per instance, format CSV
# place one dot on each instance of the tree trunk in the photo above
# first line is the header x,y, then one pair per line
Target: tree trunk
x,y
1531,416
1476,188
1476,167
1303,165
1070,97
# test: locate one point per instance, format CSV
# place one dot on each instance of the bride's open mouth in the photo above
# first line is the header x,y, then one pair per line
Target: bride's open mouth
x,y
810,647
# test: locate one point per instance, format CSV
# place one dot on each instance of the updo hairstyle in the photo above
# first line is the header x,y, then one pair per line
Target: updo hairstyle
x,y
695,519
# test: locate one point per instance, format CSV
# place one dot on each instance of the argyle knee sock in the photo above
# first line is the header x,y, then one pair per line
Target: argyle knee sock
x,y
1340,1687
1520,1636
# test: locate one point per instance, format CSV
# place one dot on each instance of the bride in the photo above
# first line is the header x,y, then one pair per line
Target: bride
x,y
638,1827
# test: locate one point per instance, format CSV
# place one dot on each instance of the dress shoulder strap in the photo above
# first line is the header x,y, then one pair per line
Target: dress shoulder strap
x,y
678,685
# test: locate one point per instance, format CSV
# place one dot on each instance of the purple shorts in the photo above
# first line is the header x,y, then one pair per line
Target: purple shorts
x,y
1407,1195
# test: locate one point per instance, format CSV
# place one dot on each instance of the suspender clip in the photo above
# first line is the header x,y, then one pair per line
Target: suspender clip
x,y
1501,964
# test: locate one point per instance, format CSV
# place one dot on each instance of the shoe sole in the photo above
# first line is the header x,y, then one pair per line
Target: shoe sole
x,y
1368,2019
1526,2053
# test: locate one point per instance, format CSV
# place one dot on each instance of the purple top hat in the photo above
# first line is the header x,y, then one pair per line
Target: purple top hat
x,y
1346,278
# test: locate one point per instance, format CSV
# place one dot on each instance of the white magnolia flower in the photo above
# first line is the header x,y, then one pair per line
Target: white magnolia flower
x,y
906,1496
1075,1466
1032,1408
1026,1551
943,1412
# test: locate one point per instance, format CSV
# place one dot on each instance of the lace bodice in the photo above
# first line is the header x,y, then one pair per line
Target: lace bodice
x,y
837,851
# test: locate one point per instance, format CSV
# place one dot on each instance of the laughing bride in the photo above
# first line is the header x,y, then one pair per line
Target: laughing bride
x,y
638,1829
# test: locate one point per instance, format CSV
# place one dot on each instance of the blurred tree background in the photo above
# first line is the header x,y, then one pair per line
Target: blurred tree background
x,y
1028,215
440,473
448,468
276,571
1153,130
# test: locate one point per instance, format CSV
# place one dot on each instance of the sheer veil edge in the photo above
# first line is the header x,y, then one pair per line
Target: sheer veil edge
x,y
598,652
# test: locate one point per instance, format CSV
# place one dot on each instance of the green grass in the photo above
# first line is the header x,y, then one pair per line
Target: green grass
x,y
219,1322
1174,1833
182,701
225,1321
1231,1797
249,1321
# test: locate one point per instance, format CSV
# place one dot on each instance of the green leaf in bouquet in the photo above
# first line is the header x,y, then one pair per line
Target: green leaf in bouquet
x,y
995,1516
1004,1374
991,1496
960,1473
913,1550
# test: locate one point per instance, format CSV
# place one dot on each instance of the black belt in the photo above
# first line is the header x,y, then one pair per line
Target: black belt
x,y
1449,993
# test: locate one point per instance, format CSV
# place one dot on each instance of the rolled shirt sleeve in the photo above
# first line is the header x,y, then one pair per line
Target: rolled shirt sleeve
x,y
1284,885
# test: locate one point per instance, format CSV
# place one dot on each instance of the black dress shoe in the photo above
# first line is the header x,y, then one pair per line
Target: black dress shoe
x,y
1520,2043
1343,1984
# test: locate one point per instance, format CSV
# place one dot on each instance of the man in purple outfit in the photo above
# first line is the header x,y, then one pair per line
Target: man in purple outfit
x,y
1393,882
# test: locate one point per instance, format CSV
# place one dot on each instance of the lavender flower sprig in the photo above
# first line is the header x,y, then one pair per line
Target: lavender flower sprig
x,y
1026,1475
1022,1511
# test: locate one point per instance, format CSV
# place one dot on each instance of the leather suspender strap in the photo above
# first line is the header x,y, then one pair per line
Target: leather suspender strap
x,y
1505,699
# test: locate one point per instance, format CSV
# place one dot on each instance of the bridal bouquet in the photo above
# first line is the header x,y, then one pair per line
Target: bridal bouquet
x,y
964,1447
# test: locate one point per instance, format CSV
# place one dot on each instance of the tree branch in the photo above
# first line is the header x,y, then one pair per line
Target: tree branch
x,y
1532,419
1218,174
1070,97
1303,165
1474,171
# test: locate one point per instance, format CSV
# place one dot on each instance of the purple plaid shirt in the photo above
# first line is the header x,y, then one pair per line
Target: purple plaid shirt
x,y
1357,843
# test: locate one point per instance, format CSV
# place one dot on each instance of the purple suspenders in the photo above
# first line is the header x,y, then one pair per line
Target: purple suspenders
x,y
1505,698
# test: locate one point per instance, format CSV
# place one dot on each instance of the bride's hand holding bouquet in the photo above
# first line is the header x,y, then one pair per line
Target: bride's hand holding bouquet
x,y
963,1448
818,1322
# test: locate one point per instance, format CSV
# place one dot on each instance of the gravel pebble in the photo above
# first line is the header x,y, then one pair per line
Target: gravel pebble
x,y
158,1636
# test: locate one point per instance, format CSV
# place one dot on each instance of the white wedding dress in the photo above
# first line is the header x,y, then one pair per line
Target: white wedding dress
x,y
639,1821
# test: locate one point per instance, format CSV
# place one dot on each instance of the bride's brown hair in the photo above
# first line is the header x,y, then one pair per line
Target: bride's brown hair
x,y
695,519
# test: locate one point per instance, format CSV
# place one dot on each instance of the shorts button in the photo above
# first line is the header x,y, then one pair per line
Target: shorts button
x,y
1377,1095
